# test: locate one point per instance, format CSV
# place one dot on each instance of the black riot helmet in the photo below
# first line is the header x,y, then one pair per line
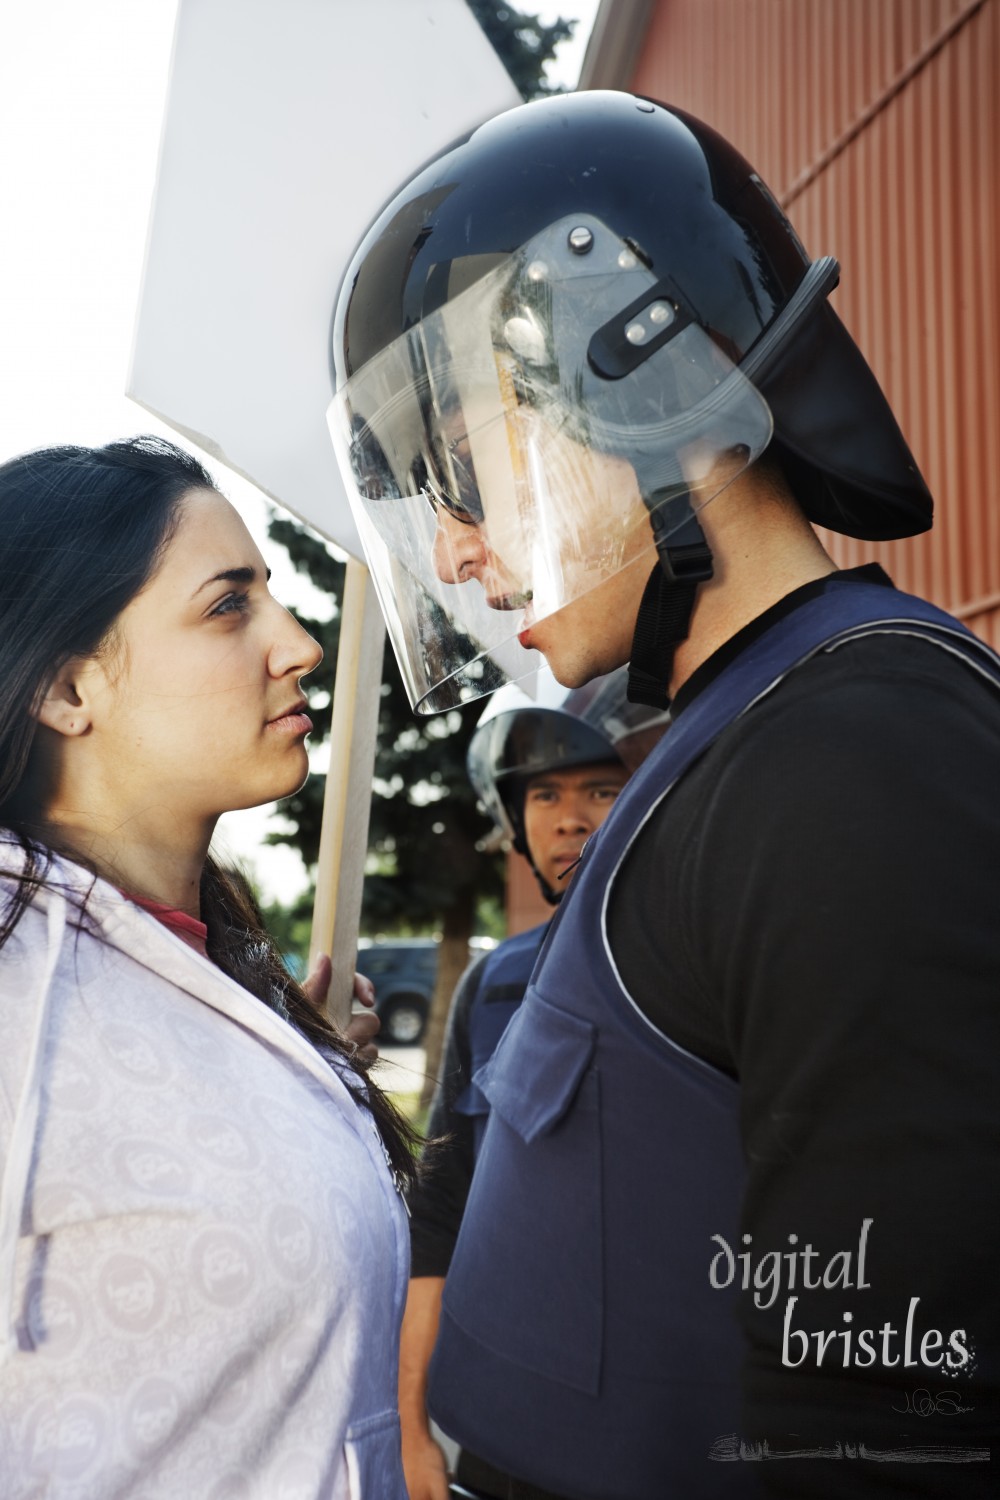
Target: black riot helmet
x,y
585,318
558,729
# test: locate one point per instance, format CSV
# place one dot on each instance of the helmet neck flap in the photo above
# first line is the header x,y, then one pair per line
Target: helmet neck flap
x,y
684,556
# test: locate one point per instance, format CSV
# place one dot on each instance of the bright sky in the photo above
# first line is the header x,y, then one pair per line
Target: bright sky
x,y
566,67
82,87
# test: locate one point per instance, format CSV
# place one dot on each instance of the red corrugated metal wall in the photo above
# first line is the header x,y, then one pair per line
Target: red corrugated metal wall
x,y
875,124
526,906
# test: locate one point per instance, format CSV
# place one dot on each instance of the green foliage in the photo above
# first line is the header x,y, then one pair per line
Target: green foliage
x,y
425,824
291,928
424,821
524,43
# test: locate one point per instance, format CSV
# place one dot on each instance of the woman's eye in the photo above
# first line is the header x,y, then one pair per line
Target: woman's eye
x,y
232,604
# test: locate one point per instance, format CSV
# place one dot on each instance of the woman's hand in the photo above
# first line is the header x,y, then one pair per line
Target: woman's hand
x,y
363,1027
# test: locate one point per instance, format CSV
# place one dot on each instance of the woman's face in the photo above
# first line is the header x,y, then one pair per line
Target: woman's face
x,y
197,708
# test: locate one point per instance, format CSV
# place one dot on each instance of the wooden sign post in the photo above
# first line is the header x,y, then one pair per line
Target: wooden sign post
x,y
347,801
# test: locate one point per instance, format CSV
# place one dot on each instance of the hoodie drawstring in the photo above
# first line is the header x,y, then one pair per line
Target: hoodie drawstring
x,y
22,1140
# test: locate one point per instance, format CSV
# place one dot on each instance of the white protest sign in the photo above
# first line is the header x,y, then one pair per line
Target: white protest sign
x,y
288,124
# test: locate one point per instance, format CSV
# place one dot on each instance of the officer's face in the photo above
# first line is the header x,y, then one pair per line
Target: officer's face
x,y
593,634
463,554
562,809
552,528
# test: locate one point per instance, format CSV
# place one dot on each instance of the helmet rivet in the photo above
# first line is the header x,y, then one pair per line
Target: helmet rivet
x,y
580,240
645,106
635,333
627,261
661,312
537,271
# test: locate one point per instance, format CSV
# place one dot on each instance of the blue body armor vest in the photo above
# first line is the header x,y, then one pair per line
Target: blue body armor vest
x,y
582,1347
503,979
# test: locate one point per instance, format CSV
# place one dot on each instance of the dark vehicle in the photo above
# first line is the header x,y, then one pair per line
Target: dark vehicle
x,y
403,972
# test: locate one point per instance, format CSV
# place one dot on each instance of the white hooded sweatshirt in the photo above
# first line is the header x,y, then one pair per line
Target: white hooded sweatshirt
x,y
203,1257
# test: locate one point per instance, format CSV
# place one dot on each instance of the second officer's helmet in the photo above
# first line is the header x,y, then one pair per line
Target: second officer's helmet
x,y
519,737
588,316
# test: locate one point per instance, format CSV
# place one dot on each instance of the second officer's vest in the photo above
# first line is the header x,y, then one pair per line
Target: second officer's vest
x,y
582,1346
502,981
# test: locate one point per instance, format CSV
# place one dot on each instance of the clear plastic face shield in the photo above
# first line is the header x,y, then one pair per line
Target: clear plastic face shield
x,y
503,456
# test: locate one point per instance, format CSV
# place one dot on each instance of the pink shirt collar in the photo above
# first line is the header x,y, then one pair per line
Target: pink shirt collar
x,y
189,929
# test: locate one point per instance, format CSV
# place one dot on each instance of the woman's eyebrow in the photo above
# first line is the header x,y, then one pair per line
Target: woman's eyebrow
x,y
231,575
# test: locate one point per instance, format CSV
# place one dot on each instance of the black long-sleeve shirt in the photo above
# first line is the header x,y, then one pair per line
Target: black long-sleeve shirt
x,y
438,1201
816,910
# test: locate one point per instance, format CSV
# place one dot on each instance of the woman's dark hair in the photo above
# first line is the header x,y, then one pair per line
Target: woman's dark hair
x,y
82,531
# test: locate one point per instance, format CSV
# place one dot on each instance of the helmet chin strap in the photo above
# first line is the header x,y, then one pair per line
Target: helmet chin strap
x,y
664,618
551,896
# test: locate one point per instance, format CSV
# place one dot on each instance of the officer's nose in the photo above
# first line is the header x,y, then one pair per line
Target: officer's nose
x,y
574,817
459,552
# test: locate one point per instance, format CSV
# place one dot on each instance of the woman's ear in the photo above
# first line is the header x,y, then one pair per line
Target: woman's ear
x,y
64,707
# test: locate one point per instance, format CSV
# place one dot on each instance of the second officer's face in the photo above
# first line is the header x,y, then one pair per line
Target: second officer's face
x,y
562,809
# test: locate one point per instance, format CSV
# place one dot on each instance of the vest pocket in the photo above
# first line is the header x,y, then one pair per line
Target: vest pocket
x,y
531,1238
374,1462
533,1076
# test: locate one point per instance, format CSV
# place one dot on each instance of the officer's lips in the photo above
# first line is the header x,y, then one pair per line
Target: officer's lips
x,y
508,601
521,600
524,634
568,853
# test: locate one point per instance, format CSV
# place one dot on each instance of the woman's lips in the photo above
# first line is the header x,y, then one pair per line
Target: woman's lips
x,y
292,723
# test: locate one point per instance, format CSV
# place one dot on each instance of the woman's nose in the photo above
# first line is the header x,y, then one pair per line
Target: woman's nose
x,y
294,649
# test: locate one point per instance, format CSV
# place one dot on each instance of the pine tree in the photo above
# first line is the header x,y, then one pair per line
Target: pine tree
x,y
523,42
